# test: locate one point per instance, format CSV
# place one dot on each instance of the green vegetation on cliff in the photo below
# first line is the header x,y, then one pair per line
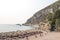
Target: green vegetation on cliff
x,y
54,19
52,14
51,19
57,16
41,14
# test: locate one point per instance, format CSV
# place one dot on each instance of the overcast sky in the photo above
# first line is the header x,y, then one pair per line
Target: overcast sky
x,y
18,11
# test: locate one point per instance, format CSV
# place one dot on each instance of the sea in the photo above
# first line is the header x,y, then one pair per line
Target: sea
x,y
14,27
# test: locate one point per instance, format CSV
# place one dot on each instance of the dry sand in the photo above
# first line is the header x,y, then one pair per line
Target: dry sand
x,y
52,36
49,36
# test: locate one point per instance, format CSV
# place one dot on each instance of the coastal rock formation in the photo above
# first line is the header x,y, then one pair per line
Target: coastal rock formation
x,y
18,35
41,14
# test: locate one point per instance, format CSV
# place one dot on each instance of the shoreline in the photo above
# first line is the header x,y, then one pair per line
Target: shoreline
x,y
20,34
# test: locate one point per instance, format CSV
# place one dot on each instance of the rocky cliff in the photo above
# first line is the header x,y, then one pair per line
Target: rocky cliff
x,y
40,16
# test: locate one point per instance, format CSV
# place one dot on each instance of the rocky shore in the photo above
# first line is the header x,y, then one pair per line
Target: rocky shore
x,y
18,35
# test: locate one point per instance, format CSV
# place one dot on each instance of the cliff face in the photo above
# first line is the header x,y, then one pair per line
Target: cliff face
x,y
40,16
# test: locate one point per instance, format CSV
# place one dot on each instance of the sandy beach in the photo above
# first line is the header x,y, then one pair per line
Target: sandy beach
x,y
49,36
52,36
34,36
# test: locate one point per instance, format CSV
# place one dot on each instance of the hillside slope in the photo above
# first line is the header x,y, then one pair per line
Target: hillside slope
x,y
40,16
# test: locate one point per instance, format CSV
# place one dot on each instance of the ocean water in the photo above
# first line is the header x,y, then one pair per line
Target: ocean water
x,y
13,27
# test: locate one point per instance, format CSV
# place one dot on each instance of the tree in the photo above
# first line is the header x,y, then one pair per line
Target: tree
x,y
57,14
51,19
57,17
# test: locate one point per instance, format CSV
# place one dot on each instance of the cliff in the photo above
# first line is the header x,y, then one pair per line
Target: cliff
x,y
40,16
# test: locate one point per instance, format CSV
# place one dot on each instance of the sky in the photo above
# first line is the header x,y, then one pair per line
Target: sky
x,y
19,11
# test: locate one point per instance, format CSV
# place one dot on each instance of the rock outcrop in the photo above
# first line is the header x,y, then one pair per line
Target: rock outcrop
x,y
40,16
18,35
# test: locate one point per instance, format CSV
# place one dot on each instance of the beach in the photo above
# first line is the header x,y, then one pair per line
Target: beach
x,y
49,36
